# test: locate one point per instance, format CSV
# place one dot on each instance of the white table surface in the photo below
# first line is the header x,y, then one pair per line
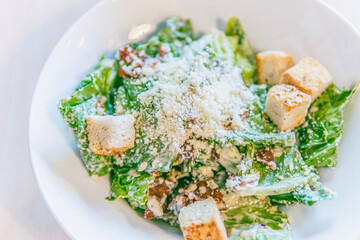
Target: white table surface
x,y
29,31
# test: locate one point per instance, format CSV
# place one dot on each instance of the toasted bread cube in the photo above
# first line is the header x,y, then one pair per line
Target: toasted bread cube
x,y
202,220
287,106
109,135
271,65
309,76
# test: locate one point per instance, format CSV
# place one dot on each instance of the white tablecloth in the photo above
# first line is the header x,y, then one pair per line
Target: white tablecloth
x,y
29,31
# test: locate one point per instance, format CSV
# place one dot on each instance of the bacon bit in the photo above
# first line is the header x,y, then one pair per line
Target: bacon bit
x,y
241,183
214,155
227,124
266,156
178,202
196,192
164,49
128,56
153,65
192,89
203,191
264,115
244,115
148,213
100,103
154,173
158,192
187,153
122,73
189,122
187,156
209,192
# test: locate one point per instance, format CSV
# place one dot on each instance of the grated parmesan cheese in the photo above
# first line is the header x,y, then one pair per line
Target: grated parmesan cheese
x,y
193,98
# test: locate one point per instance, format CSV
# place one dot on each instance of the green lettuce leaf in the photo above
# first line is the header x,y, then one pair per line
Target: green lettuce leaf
x,y
126,101
308,195
126,97
94,96
319,137
176,34
244,56
130,184
261,232
245,213
290,174
249,136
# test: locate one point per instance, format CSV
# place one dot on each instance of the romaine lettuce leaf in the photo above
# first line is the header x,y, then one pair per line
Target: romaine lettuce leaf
x,y
291,172
130,184
244,56
75,119
261,232
126,101
319,136
176,33
126,97
308,195
94,96
258,138
245,213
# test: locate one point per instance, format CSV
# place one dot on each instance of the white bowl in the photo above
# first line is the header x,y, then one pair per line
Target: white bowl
x,y
303,28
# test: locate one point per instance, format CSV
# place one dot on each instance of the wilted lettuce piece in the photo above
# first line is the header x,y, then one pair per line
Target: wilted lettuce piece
x,y
308,195
261,131
94,96
221,46
126,97
246,212
130,184
75,119
244,56
261,232
176,33
249,136
257,178
319,136
151,154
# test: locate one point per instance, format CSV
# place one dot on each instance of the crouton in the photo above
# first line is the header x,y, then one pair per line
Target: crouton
x,y
109,135
287,106
202,220
271,65
309,76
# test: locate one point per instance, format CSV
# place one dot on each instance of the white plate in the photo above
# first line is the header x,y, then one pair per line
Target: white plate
x,y
303,28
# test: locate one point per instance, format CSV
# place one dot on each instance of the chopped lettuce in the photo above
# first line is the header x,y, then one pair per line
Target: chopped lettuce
x,y
245,212
261,232
176,33
130,184
308,195
291,172
126,97
249,136
319,137
94,96
244,56
126,101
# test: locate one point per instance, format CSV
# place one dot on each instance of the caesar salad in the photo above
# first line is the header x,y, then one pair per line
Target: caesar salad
x,y
202,132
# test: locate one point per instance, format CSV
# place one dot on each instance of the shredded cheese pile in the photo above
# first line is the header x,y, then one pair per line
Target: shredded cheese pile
x,y
194,97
